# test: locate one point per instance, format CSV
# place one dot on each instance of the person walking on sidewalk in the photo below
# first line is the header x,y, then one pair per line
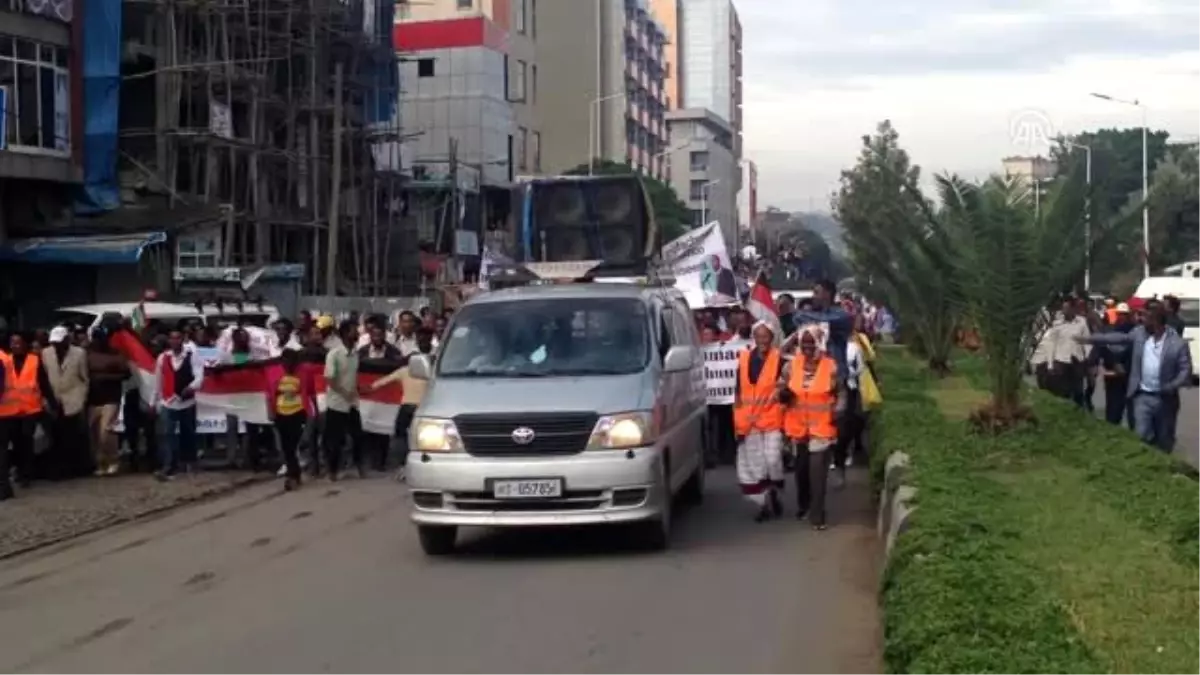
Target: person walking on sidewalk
x,y
341,398
24,394
107,372
290,402
179,373
66,368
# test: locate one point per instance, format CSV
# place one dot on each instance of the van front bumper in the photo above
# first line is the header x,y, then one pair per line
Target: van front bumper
x,y
598,487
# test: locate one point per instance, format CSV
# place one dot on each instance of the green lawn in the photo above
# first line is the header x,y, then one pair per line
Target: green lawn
x,y
1061,548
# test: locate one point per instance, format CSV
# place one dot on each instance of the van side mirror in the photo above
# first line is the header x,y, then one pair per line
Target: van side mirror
x,y
679,358
418,366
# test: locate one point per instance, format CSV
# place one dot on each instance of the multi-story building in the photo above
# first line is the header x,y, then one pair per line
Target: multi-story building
x,y
748,196
39,121
709,54
705,173
668,13
602,67
471,73
1032,169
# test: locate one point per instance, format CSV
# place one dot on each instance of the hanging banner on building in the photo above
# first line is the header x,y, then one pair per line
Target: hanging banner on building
x,y
720,370
699,261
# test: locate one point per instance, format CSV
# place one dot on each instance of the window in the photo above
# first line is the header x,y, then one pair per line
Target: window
x,y
424,67
533,83
699,161
37,96
533,19
536,151
518,81
466,4
196,250
696,190
564,337
520,19
522,143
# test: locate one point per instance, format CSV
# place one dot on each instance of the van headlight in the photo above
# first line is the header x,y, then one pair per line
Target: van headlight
x,y
625,430
431,434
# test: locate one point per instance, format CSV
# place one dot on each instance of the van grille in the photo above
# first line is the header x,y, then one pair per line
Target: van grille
x,y
559,433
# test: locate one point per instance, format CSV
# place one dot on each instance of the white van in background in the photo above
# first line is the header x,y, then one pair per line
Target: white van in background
x,y
1187,289
170,313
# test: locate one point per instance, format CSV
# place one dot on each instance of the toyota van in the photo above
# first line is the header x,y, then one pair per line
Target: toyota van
x,y
552,405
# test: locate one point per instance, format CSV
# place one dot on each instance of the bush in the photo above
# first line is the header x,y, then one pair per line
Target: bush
x,y
955,598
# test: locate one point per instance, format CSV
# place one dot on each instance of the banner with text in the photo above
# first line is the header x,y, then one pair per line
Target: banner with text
x,y
699,261
721,370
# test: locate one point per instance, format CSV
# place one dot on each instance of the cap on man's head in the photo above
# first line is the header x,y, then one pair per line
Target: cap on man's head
x,y
325,321
1123,308
59,334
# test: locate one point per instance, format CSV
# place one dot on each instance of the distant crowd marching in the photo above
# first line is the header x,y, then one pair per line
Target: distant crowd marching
x,y
70,395
803,384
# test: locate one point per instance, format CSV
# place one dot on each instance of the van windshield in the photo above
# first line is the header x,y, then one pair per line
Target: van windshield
x,y
544,338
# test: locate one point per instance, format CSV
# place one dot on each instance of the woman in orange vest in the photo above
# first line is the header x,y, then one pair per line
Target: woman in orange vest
x,y
23,388
813,399
758,424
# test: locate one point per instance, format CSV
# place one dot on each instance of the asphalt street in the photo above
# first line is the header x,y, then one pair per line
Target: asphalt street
x,y
332,579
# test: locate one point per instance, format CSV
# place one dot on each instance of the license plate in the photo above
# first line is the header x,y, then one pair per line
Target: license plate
x,y
534,488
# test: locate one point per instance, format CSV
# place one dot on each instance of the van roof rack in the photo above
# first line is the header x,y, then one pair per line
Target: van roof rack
x,y
578,272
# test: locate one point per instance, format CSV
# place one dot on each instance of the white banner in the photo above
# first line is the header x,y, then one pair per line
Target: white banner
x,y
209,420
700,264
721,370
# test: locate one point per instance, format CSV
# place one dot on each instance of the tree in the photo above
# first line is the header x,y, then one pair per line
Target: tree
x,y
778,231
898,252
672,215
1175,207
1117,176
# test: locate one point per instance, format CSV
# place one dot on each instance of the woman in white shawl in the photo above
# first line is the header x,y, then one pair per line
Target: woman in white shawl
x,y
758,424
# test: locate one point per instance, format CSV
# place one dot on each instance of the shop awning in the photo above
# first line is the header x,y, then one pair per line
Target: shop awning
x,y
101,249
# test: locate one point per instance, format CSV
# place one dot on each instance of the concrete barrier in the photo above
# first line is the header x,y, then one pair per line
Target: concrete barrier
x,y
895,500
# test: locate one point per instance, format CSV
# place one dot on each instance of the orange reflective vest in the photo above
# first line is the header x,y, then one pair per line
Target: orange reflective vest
x,y
21,395
756,408
1110,315
811,414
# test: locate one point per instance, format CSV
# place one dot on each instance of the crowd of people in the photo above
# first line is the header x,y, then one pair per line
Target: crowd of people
x,y
1136,352
63,389
803,393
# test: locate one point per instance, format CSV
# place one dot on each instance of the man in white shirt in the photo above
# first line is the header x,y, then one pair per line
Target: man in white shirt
x,y
406,333
341,398
178,375
1068,355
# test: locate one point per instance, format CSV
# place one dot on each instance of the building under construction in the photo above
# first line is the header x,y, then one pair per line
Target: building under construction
x,y
240,134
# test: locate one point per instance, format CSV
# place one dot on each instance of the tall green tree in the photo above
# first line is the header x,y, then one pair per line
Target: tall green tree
x,y
898,251
1175,207
674,218
1117,183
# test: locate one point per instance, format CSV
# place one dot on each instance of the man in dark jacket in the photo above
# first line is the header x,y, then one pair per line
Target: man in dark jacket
x,y
1113,361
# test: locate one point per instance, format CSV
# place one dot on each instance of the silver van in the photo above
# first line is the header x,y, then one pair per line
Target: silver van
x,y
549,405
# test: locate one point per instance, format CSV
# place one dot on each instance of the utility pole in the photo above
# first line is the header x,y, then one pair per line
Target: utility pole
x,y
335,192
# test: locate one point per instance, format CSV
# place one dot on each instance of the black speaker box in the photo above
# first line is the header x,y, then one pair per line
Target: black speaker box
x,y
606,218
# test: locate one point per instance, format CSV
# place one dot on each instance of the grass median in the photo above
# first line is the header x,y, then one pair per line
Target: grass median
x,y
1066,547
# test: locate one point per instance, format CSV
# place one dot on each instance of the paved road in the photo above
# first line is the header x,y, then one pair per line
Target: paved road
x,y
333,580
1187,429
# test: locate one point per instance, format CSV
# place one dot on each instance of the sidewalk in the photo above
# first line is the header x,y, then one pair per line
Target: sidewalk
x,y
50,512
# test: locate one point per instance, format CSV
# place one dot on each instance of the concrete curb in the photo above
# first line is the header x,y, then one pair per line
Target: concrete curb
x,y
895,501
217,491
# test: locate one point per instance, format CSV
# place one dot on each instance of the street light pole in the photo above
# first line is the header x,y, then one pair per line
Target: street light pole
x,y
1145,177
704,204
1087,233
594,135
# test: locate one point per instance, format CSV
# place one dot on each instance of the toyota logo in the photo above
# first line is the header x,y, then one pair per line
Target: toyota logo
x,y
522,435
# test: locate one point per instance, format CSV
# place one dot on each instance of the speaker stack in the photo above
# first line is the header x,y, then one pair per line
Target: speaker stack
x,y
606,218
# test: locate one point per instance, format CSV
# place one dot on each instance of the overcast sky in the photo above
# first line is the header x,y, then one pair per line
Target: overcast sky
x,y
965,82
